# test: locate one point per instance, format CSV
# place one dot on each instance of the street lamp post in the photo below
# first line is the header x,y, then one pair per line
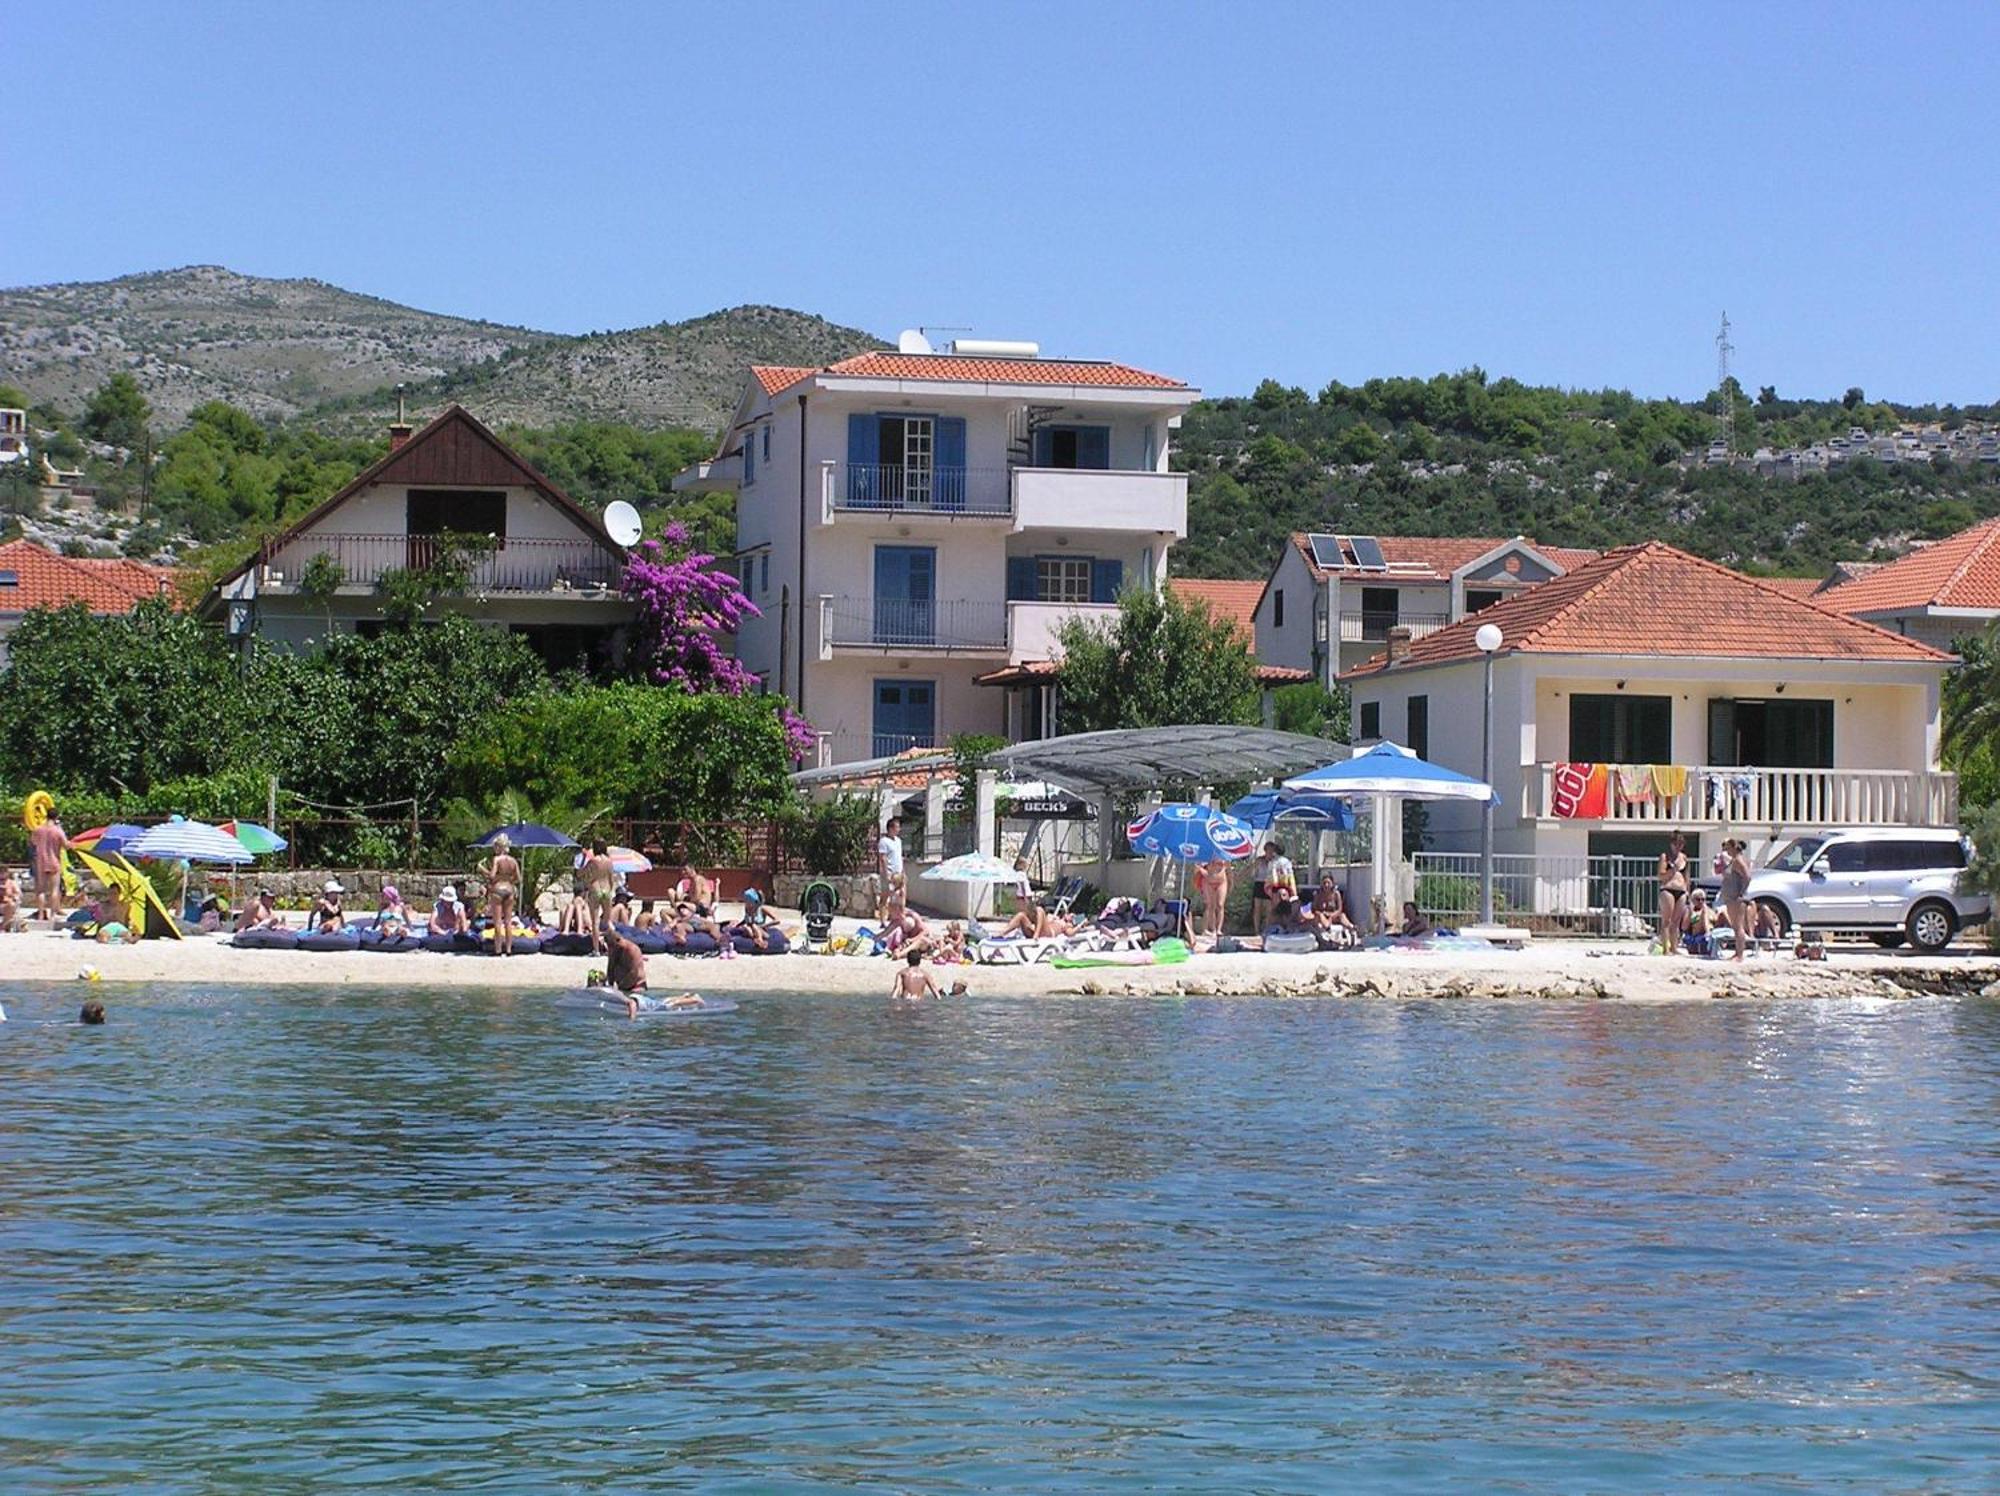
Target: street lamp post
x,y
1489,639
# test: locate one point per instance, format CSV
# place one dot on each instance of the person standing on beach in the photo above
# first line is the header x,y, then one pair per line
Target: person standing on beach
x,y
1673,879
600,884
46,845
1736,892
1212,880
503,884
889,863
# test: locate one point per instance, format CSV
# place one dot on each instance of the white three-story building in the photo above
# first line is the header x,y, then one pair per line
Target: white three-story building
x,y
915,526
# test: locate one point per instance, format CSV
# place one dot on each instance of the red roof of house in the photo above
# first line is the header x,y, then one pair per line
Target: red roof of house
x,y
45,579
1961,571
1232,602
1654,600
1433,558
777,378
1796,586
954,368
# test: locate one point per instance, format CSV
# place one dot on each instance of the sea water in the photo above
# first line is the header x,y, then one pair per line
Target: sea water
x,y
317,1240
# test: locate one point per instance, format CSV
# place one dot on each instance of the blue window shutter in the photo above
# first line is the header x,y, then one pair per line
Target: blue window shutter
x,y
1107,580
749,458
864,451
1020,579
1093,446
950,478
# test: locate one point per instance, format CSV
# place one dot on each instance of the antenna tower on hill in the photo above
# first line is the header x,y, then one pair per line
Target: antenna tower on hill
x,y
1723,348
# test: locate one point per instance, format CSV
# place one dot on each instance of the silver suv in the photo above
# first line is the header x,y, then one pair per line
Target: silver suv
x,y
1891,883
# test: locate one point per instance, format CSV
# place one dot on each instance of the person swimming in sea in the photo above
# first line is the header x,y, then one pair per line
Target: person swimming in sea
x,y
913,981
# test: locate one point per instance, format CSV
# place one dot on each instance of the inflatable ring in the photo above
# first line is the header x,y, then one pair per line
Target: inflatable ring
x,y
35,809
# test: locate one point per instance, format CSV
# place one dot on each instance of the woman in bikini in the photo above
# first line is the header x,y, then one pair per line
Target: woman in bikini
x,y
503,885
600,884
1212,880
1673,880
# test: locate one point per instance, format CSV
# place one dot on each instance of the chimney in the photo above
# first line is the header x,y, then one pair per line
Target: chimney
x,y
1399,644
399,430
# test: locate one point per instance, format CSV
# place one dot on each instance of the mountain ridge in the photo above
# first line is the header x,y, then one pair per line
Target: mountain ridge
x,y
306,350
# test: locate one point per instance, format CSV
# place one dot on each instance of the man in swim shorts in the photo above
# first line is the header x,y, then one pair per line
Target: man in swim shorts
x,y
626,971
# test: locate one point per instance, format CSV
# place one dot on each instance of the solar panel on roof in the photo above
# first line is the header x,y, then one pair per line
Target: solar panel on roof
x,y
1327,552
1368,553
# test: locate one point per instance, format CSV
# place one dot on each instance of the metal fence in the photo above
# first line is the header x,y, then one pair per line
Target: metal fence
x,y
1549,894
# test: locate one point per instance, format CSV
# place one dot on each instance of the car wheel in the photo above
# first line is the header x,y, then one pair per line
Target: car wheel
x,y
1778,913
1887,939
1930,926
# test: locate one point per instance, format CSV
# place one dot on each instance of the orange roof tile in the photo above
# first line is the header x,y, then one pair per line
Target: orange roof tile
x,y
954,368
1232,602
1433,558
1795,586
1961,571
44,579
777,378
1654,600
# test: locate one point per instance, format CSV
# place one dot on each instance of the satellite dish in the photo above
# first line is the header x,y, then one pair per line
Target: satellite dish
x,y
621,522
912,340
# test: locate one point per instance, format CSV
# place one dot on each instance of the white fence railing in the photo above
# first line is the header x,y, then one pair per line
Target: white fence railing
x,y
1587,895
1716,795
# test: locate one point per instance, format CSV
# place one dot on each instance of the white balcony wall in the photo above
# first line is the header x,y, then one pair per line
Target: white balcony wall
x,y
1032,627
1067,499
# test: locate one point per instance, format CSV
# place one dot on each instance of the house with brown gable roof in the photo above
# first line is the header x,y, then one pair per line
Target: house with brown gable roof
x,y
1940,593
551,575
1648,691
1331,600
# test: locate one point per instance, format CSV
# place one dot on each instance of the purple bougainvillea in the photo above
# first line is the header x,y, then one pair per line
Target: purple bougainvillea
x,y
685,601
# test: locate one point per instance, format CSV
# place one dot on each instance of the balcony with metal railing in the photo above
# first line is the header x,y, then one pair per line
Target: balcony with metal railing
x,y
1029,497
1373,627
885,624
524,565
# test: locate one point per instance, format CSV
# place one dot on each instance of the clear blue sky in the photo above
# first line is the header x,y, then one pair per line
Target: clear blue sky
x,y
1569,194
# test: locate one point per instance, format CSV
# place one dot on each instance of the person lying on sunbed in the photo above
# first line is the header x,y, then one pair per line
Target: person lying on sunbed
x,y
449,916
1414,926
1038,924
261,913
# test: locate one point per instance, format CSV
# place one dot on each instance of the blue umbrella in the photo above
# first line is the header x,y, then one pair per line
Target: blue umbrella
x,y
1388,770
526,834
1260,808
1191,833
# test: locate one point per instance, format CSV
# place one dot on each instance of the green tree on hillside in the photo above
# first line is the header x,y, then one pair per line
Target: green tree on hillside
x,y
118,413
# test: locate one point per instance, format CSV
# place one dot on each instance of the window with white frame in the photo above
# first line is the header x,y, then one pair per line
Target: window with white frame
x,y
1063,579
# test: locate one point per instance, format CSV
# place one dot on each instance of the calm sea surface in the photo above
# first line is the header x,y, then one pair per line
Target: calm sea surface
x,y
324,1241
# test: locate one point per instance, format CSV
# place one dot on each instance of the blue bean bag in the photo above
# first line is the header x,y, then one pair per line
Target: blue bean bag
x,y
650,942
699,943
571,944
457,943
330,940
266,940
774,944
524,945
375,940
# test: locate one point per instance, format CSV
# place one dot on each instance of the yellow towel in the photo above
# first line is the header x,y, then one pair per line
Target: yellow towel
x,y
1670,780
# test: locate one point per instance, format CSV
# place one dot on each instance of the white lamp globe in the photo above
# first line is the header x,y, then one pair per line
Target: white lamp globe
x,y
1488,638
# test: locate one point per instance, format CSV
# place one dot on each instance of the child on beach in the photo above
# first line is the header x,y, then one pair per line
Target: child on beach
x,y
913,981
10,902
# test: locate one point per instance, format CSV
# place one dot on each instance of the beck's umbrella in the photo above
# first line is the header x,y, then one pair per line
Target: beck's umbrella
x,y
526,834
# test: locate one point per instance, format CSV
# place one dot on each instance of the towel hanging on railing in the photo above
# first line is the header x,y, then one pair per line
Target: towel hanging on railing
x,y
1580,791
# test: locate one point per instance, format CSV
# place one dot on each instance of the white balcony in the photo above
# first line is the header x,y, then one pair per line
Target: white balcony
x,y
1031,627
517,564
886,626
1100,499
1774,798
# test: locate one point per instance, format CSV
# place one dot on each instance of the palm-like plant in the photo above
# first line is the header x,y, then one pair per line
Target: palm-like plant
x,y
465,823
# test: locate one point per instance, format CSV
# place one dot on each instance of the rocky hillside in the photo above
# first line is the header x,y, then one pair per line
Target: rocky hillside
x,y
687,374
277,348
305,350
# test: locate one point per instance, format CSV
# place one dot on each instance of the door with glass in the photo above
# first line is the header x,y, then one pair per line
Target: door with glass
x,y
905,716
905,594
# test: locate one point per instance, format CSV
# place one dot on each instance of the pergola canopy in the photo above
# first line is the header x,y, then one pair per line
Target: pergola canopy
x,y
1141,758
